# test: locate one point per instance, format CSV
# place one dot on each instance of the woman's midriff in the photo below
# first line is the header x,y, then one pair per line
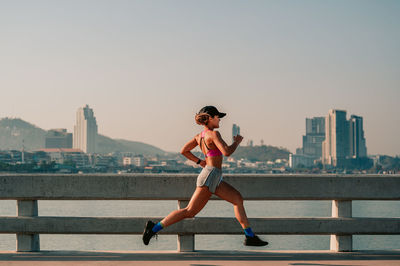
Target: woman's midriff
x,y
215,161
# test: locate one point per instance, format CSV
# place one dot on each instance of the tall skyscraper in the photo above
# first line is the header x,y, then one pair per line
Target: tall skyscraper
x,y
85,130
357,141
312,144
235,131
315,135
344,139
335,147
315,125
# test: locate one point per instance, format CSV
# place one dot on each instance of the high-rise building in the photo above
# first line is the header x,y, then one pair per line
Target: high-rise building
x,y
335,147
315,135
315,125
344,139
235,131
312,144
357,144
58,138
85,130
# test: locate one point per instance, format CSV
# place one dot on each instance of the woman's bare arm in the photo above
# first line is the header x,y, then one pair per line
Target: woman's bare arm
x,y
186,151
226,149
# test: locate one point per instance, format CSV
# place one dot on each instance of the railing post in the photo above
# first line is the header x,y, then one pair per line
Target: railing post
x,y
341,208
185,242
27,242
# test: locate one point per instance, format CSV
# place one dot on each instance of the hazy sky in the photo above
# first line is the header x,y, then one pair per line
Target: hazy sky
x,y
146,67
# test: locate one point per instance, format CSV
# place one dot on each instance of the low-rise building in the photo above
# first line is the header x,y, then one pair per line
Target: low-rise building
x,y
103,160
139,161
126,161
296,160
58,138
70,156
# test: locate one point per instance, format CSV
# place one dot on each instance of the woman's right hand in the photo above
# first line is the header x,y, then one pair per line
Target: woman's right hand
x,y
237,139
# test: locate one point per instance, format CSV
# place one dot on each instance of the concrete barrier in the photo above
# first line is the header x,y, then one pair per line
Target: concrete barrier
x,y
27,189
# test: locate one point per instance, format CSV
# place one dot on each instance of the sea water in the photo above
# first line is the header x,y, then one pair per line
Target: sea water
x,y
214,208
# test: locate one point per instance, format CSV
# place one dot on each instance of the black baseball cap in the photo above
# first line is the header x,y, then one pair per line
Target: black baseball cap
x,y
212,111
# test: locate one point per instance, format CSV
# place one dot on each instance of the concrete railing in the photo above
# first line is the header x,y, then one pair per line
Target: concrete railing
x,y
28,224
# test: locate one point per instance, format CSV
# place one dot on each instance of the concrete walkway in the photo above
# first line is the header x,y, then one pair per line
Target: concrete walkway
x,y
204,258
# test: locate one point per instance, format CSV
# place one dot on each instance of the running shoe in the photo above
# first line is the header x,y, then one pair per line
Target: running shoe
x,y
254,241
148,232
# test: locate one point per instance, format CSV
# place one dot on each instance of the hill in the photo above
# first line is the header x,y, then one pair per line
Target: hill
x,y
15,130
261,153
105,145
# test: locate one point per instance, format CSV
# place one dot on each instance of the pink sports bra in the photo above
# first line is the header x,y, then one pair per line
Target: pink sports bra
x,y
210,153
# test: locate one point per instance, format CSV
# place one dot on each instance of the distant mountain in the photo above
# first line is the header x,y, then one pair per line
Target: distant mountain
x,y
261,153
105,145
14,130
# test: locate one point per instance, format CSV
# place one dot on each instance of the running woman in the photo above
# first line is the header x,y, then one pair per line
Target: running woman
x,y
210,179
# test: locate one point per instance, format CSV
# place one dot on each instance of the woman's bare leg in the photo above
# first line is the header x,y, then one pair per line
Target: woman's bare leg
x,y
229,193
199,199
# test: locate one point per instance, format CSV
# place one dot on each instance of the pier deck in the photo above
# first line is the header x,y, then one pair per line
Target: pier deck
x,y
205,258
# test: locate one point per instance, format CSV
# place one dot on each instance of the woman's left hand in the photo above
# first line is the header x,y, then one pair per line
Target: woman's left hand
x,y
203,163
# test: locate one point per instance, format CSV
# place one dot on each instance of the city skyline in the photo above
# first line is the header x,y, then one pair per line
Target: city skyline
x,y
147,67
311,145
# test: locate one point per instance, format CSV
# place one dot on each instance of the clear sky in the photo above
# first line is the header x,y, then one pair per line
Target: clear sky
x,y
146,67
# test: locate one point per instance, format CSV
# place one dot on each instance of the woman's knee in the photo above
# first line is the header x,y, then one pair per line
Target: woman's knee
x,y
238,199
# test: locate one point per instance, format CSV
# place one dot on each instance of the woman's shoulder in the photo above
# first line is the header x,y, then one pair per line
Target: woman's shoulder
x,y
215,133
197,137
208,133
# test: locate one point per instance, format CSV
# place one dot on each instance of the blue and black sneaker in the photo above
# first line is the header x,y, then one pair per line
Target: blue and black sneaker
x,y
254,241
148,232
